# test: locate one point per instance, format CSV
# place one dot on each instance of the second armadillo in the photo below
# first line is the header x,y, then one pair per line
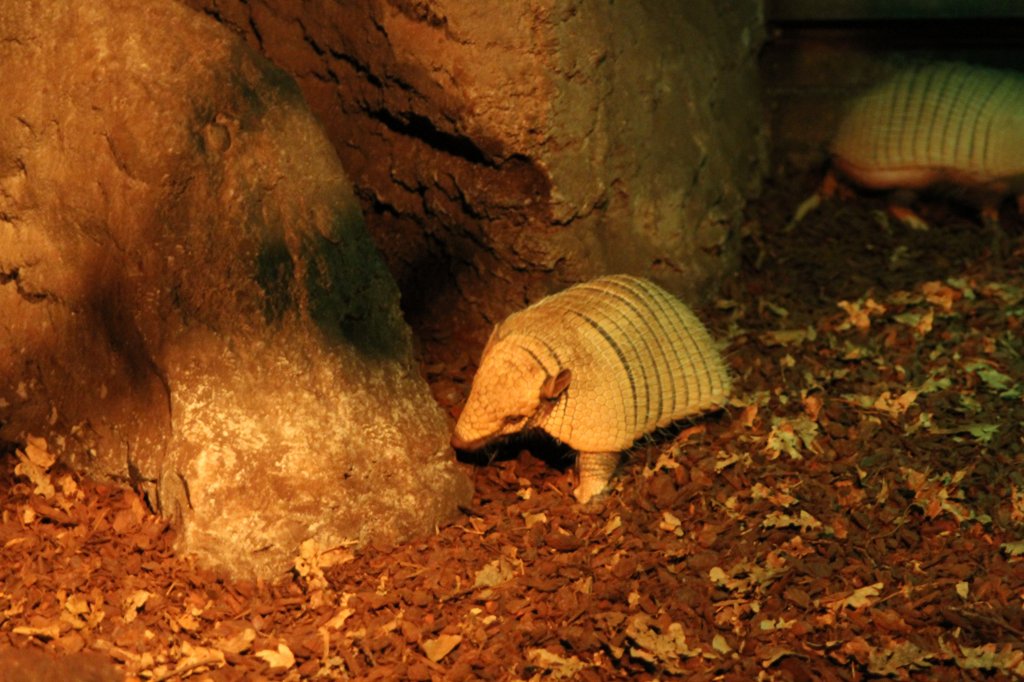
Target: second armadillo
x,y
596,366
937,123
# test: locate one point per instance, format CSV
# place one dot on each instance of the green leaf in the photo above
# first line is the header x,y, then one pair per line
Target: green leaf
x,y
784,337
991,656
994,379
774,308
964,287
911,319
983,433
934,382
1013,548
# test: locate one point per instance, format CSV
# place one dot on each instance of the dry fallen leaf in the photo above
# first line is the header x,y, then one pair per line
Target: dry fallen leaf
x,y
926,323
282,657
858,598
237,643
556,667
812,405
80,613
33,463
69,487
859,313
993,657
788,435
747,416
759,491
665,461
939,294
44,632
37,453
533,519
665,649
671,523
188,622
133,603
196,657
895,406
441,646
494,573
340,617
804,521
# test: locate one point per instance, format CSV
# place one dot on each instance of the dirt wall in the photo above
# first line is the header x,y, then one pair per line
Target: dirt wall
x,y
503,150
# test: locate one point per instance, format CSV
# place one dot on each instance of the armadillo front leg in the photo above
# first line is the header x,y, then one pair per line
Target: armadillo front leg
x,y
594,469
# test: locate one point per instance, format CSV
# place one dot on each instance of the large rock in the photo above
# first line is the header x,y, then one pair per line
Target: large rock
x,y
188,299
504,149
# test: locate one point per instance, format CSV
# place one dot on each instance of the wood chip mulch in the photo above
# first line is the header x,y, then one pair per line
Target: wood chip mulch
x,y
856,512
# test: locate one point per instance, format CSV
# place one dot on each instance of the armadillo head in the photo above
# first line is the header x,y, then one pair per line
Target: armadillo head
x,y
510,392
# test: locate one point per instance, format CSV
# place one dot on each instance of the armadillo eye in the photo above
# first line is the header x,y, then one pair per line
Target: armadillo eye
x,y
514,419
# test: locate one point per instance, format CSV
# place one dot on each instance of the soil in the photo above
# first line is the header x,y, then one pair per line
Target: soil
x,y
857,511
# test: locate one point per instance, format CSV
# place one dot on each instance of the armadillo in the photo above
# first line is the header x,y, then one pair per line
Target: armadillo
x,y
938,123
596,366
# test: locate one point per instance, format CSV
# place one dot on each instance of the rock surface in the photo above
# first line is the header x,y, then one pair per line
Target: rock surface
x,y
502,150
189,301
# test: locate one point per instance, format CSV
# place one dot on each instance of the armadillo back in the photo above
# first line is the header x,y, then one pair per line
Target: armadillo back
x,y
639,357
944,121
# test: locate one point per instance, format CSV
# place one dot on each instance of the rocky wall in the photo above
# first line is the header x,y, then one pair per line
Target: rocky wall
x,y
189,301
502,150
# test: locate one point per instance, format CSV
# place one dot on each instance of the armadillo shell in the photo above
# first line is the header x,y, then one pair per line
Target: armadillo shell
x,y
936,122
639,357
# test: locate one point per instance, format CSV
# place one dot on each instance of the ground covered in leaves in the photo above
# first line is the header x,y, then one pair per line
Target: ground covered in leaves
x,y
857,511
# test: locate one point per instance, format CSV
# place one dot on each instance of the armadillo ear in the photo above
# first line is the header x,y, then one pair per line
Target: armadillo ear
x,y
554,386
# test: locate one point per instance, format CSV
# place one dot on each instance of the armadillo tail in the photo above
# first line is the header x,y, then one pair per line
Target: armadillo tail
x,y
595,469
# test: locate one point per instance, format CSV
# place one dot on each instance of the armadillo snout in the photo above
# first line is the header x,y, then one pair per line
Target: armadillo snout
x,y
504,397
460,442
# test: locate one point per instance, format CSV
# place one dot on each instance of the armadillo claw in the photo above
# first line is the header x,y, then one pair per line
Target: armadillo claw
x,y
909,218
595,470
